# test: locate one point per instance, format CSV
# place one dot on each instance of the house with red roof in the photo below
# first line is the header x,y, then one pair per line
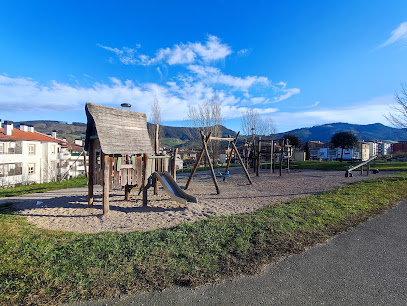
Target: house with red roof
x,y
27,156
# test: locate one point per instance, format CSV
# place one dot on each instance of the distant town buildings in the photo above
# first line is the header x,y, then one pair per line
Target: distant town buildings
x,y
363,150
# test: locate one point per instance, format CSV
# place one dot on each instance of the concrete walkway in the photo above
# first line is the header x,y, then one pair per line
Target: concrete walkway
x,y
366,266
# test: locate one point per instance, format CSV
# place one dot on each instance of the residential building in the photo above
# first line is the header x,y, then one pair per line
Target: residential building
x,y
28,157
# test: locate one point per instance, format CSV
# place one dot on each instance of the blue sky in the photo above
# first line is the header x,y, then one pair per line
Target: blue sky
x,y
300,63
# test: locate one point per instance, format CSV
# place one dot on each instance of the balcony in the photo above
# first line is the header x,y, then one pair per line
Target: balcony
x,y
16,150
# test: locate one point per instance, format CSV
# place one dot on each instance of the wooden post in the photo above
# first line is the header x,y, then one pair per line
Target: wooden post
x,y
208,158
271,156
144,179
258,157
287,146
241,162
368,168
281,157
361,170
156,149
173,165
106,179
91,172
84,163
127,192
198,161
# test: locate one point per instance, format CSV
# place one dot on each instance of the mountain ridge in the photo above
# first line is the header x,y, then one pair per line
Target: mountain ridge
x,y
324,132
189,136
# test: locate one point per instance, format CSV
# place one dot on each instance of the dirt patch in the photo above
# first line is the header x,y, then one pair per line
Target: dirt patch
x,y
67,210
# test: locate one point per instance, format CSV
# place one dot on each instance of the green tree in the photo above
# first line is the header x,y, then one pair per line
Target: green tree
x,y
293,140
344,140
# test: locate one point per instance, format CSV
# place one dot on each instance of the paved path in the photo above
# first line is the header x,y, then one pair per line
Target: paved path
x,y
366,266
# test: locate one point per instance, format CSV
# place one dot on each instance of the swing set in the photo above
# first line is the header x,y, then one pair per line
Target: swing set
x,y
204,151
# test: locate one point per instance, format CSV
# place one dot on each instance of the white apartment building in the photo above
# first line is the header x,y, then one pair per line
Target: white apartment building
x,y
30,157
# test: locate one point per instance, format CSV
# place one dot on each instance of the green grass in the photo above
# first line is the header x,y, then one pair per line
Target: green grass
x,y
34,188
343,166
172,142
41,266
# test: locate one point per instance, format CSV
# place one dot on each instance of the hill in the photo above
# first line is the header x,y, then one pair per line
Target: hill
x,y
172,136
71,131
189,136
376,131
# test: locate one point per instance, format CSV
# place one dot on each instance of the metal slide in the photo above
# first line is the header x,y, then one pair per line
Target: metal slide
x,y
172,188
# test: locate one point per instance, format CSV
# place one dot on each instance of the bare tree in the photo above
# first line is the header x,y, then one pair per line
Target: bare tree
x,y
253,123
266,126
207,116
156,112
155,118
399,116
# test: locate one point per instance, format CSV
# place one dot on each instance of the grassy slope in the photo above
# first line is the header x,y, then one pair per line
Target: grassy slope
x,y
41,266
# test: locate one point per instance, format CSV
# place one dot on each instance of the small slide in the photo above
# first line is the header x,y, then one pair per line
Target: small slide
x,y
172,188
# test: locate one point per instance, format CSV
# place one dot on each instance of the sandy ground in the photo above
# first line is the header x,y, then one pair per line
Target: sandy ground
x,y
67,210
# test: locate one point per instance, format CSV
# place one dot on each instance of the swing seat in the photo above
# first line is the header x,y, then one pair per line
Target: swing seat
x,y
222,174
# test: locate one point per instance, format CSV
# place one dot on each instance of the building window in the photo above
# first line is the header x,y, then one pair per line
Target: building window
x,y
31,168
1,148
31,149
3,169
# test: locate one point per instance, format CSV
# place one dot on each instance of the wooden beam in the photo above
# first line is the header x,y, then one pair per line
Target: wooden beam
x,y
204,142
144,179
91,172
222,138
198,161
106,180
173,164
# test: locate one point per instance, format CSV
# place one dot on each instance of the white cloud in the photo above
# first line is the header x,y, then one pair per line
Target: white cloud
x,y
159,72
243,52
213,49
125,55
212,75
398,35
288,93
22,94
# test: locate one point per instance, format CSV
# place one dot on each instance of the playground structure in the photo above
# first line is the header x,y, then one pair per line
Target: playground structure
x,y
366,163
121,156
204,151
269,150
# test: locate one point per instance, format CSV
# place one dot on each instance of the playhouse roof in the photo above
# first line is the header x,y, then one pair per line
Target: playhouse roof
x,y
119,131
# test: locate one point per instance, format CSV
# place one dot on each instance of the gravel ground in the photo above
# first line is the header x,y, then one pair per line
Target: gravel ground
x,y
67,210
